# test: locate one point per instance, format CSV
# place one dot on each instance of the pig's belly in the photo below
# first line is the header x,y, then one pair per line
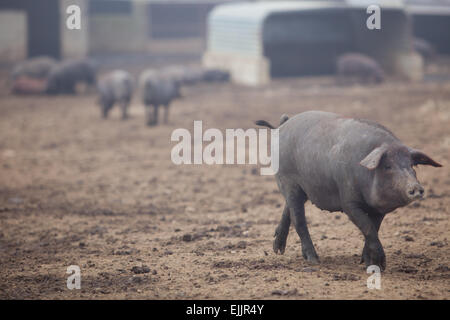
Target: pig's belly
x,y
324,196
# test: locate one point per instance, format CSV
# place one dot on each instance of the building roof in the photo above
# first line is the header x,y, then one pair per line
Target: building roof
x,y
257,11
238,27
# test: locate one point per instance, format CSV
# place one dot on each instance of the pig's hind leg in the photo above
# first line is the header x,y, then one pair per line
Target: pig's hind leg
x,y
282,231
296,202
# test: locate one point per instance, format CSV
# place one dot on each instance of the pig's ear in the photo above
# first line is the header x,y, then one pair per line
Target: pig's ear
x,y
418,157
372,160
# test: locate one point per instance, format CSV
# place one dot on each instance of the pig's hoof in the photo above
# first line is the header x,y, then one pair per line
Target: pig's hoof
x,y
310,256
381,264
378,259
279,245
313,260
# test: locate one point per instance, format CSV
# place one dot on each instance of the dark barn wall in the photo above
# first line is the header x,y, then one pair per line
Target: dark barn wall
x,y
380,44
306,43
178,20
44,28
43,20
435,29
109,7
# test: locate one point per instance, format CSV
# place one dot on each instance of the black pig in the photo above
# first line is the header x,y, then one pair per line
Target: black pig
x,y
359,66
342,164
115,87
157,90
63,77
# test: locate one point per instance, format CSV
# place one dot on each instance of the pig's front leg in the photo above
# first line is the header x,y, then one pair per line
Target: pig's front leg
x,y
373,253
376,219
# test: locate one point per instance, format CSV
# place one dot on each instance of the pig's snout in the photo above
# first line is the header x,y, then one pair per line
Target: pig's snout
x,y
415,191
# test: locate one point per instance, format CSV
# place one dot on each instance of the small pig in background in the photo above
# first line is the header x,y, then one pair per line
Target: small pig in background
x,y
64,77
360,67
115,88
157,90
30,76
216,75
36,68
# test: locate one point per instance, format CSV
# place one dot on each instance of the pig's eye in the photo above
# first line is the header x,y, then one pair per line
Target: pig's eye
x,y
387,167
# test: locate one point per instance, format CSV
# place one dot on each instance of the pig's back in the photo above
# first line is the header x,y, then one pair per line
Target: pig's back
x,y
304,131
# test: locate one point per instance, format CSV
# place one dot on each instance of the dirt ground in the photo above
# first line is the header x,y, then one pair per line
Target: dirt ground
x,y
104,195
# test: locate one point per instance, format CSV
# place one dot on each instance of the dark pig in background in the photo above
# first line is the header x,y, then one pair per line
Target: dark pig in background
x,y
216,75
360,67
189,75
64,77
115,87
342,164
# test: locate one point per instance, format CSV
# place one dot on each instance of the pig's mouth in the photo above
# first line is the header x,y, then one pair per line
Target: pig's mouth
x,y
409,198
399,201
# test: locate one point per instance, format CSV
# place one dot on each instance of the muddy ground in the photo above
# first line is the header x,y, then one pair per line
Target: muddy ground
x,y
104,195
